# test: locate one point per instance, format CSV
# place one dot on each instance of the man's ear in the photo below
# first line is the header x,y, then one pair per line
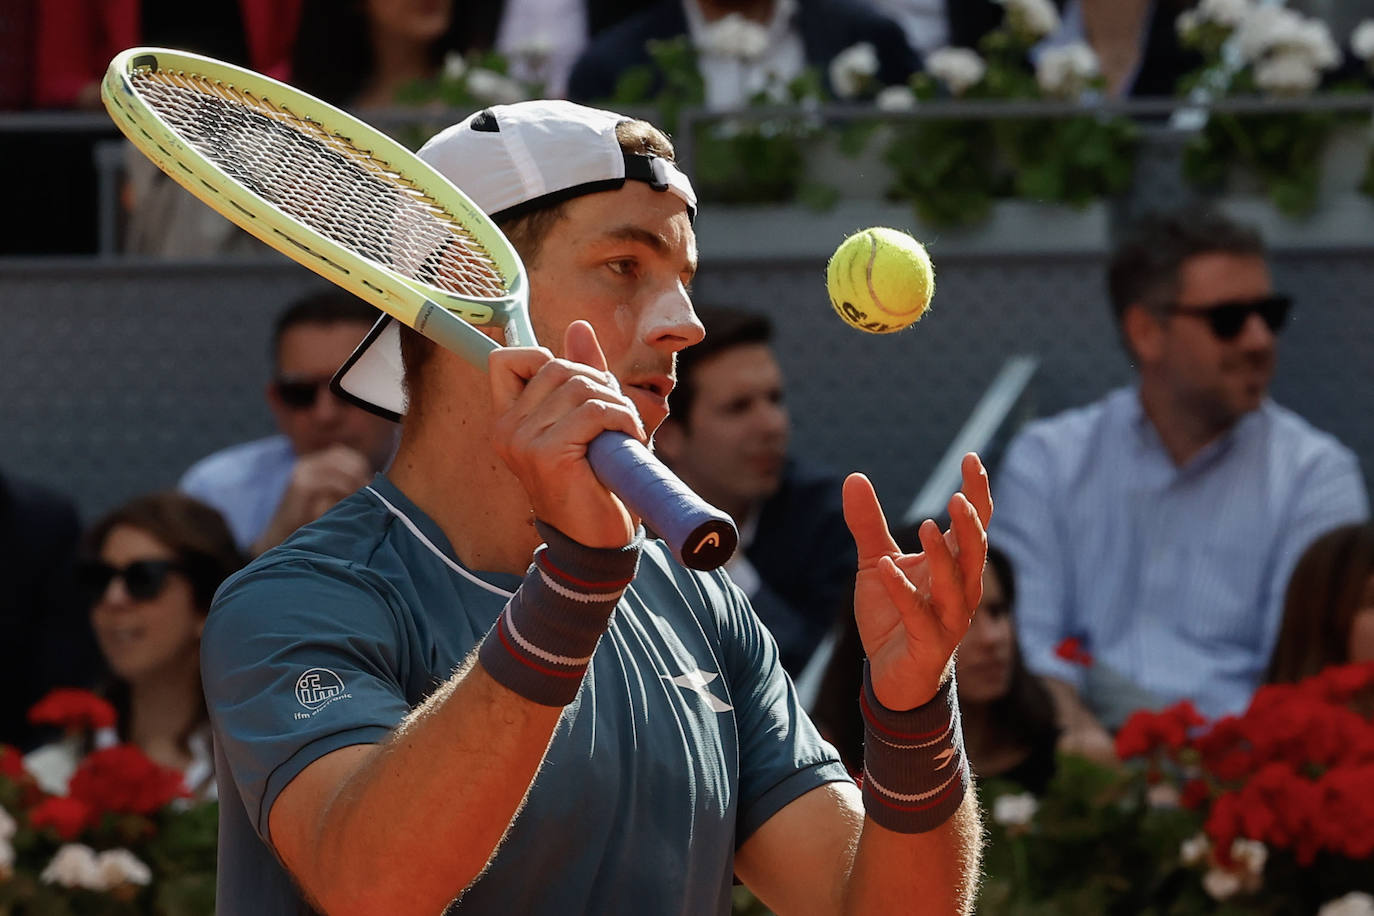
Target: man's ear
x,y
669,440
1144,333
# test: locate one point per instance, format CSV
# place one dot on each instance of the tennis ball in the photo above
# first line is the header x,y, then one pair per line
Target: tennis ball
x,y
880,280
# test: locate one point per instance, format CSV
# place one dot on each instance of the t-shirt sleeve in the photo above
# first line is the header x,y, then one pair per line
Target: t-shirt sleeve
x,y
782,755
298,660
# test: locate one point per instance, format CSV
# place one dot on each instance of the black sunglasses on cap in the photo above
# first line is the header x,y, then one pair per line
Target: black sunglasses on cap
x,y
1227,319
299,393
143,579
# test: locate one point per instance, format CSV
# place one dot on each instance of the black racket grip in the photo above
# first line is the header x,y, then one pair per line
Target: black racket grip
x,y
700,535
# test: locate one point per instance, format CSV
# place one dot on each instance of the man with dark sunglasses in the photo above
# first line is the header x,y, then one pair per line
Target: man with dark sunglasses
x,y
325,448
1159,525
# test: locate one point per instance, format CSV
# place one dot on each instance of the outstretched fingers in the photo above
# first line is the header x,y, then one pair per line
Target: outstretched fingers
x,y
947,592
866,521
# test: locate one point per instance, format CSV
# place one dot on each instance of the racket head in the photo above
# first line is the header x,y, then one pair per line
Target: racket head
x,y
324,188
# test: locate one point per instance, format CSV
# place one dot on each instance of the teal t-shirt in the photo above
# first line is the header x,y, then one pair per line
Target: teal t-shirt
x,y
686,734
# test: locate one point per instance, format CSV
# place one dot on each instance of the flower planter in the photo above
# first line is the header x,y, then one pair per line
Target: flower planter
x,y
795,232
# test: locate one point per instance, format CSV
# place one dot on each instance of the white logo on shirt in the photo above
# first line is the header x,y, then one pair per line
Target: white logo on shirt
x,y
318,687
697,680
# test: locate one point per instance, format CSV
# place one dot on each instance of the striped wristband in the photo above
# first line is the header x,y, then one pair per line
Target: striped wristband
x,y
543,641
915,770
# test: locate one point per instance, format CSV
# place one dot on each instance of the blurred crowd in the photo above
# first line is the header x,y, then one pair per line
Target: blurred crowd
x,y
372,55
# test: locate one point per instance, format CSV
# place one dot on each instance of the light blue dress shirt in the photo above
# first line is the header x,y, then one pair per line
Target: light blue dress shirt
x,y
1173,577
245,482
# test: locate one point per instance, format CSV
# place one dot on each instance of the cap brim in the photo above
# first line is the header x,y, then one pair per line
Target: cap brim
x,y
372,377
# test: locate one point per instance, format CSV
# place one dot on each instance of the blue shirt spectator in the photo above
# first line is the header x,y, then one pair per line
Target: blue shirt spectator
x,y
1160,525
1172,576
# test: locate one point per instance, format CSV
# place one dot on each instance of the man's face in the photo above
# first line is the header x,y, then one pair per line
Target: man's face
x,y
732,445
1218,380
622,260
307,357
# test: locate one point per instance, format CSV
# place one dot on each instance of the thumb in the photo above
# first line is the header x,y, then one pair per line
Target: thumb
x,y
580,345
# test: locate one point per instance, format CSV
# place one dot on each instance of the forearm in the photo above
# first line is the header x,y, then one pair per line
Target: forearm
x,y
415,825
939,868
409,828
1070,710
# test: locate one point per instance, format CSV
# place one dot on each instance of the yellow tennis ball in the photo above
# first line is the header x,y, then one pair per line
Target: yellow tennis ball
x,y
880,280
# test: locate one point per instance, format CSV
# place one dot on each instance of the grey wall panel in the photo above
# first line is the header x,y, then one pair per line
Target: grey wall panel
x,y
115,376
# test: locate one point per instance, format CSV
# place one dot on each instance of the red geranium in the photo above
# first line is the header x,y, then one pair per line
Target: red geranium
x,y
123,780
68,816
1071,650
73,709
12,764
1146,732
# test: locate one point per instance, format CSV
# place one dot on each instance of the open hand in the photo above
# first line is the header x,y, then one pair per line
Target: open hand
x,y
913,609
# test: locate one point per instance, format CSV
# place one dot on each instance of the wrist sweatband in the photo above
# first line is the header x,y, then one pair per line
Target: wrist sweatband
x,y
543,641
915,770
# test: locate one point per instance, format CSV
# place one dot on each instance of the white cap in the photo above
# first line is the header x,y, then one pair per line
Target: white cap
x,y
510,159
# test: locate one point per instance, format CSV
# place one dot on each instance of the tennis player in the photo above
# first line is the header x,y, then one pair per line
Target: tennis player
x,y
477,684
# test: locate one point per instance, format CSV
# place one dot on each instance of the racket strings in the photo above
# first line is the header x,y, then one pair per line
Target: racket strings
x,y
323,180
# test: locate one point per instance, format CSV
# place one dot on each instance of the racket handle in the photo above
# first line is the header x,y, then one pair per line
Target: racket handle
x,y
700,535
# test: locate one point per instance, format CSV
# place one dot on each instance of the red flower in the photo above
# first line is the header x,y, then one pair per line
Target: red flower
x,y
1195,794
1071,650
1340,684
12,764
71,709
68,816
1145,731
123,780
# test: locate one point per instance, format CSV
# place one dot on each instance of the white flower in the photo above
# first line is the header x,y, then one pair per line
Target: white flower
x,y
1194,851
958,68
1251,855
1229,13
74,865
1163,795
490,86
6,859
117,867
1221,884
896,98
1032,18
454,66
1186,23
1014,810
1362,41
734,36
1355,903
1065,71
7,826
852,68
1287,73
1264,29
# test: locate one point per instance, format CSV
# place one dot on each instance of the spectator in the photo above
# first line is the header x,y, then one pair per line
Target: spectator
x,y
359,53
542,38
1008,715
793,34
153,568
1160,524
1328,616
45,636
726,436
1136,43
325,448
77,39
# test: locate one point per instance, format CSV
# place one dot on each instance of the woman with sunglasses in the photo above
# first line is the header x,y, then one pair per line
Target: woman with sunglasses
x,y
151,570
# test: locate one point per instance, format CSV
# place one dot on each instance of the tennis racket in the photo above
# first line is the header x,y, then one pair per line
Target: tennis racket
x,y
364,212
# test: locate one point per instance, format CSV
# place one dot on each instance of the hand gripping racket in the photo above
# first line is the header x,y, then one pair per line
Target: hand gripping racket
x,y
362,211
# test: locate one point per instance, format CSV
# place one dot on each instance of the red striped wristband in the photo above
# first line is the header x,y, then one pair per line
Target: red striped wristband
x,y
543,641
915,770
